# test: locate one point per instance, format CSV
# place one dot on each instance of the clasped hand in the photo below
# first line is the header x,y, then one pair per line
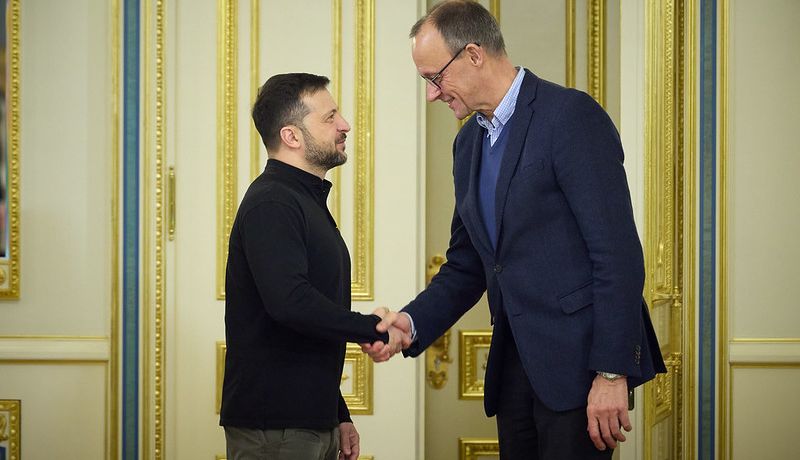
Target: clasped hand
x,y
399,328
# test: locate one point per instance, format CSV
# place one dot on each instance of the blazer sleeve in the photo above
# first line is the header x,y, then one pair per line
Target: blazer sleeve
x,y
458,286
588,163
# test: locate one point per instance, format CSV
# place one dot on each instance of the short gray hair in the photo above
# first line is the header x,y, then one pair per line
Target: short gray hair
x,y
462,22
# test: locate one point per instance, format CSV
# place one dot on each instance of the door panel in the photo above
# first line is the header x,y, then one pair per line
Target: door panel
x,y
218,52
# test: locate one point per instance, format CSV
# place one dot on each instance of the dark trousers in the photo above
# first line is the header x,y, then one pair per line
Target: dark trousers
x,y
528,430
288,444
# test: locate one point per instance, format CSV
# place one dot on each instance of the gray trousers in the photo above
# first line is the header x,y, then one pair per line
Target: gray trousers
x,y
288,444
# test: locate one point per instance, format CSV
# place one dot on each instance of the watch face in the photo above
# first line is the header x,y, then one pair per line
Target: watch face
x,y
609,375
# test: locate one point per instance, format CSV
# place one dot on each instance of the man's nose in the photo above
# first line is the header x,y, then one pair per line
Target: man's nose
x,y
344,126
432,92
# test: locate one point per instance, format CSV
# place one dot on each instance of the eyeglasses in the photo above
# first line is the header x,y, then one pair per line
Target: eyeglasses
x,y
432,80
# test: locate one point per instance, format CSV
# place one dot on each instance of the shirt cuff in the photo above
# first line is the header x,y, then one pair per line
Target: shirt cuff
x,y
413,328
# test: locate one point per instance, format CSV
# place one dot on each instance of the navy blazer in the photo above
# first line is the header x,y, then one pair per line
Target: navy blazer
x,y
567,270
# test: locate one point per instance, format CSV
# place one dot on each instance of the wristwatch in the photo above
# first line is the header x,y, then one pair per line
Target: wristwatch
x,y
610,376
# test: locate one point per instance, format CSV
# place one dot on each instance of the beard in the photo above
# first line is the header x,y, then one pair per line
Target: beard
x,y
321,155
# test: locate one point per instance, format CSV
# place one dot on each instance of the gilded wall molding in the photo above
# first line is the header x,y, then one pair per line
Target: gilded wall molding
x,y
689,392
255,84
364,192
664,227
477,448
768,349
724,389
113,374
474,352
726,438
334,198
154,234
10,428
569,73
358,371
220,360
66,349
9,264
494,8
160,234
227,56
596,40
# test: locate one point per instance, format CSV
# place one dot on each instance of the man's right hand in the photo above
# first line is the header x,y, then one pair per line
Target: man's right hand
x,y
399,328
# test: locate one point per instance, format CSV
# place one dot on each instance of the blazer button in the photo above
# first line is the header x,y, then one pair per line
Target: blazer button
x,y
498,268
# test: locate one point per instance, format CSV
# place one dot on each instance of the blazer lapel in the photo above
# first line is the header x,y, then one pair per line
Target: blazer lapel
x,y
520,122
471,199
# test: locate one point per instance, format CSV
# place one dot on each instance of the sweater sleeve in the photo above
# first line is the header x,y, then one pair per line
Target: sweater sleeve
x,y
344,412
273,241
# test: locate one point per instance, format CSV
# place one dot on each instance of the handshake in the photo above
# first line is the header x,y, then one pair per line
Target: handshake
x,y
398,325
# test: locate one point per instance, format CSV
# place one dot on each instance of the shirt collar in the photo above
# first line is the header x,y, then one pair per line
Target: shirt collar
x,y
506,107
319,186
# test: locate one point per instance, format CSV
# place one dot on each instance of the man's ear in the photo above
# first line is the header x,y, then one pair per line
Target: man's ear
x,y
290,137
475,54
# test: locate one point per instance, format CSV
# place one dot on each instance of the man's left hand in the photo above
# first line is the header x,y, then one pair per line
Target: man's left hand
x,y
607,411
348,442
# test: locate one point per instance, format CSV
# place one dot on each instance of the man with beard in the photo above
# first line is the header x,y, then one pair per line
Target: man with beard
x,y
287,287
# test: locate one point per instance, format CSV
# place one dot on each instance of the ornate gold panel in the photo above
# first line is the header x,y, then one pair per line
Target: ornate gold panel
x,y
362,245
475,448
9,177
256,148
154,222
227,56
10,428
569,79
472,366
113,371
221,348
357,381
596,40
663,242
364,212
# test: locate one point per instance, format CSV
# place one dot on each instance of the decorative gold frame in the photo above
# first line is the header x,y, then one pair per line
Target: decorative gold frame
x,y
664,222
227,196
360,400
724,385
469,384
10,413
155,231
472,448
364,127
569,76
596,40
364,196
726,437
255,140
9,265
221,349
113,369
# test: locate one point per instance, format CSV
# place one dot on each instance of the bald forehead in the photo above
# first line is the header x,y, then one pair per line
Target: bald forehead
x,y
428,48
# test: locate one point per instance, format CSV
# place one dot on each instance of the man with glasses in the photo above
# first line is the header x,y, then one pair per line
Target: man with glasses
x,y
543,222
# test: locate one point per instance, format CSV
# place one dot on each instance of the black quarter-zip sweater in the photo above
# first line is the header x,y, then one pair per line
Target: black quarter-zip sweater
x,y
287,307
